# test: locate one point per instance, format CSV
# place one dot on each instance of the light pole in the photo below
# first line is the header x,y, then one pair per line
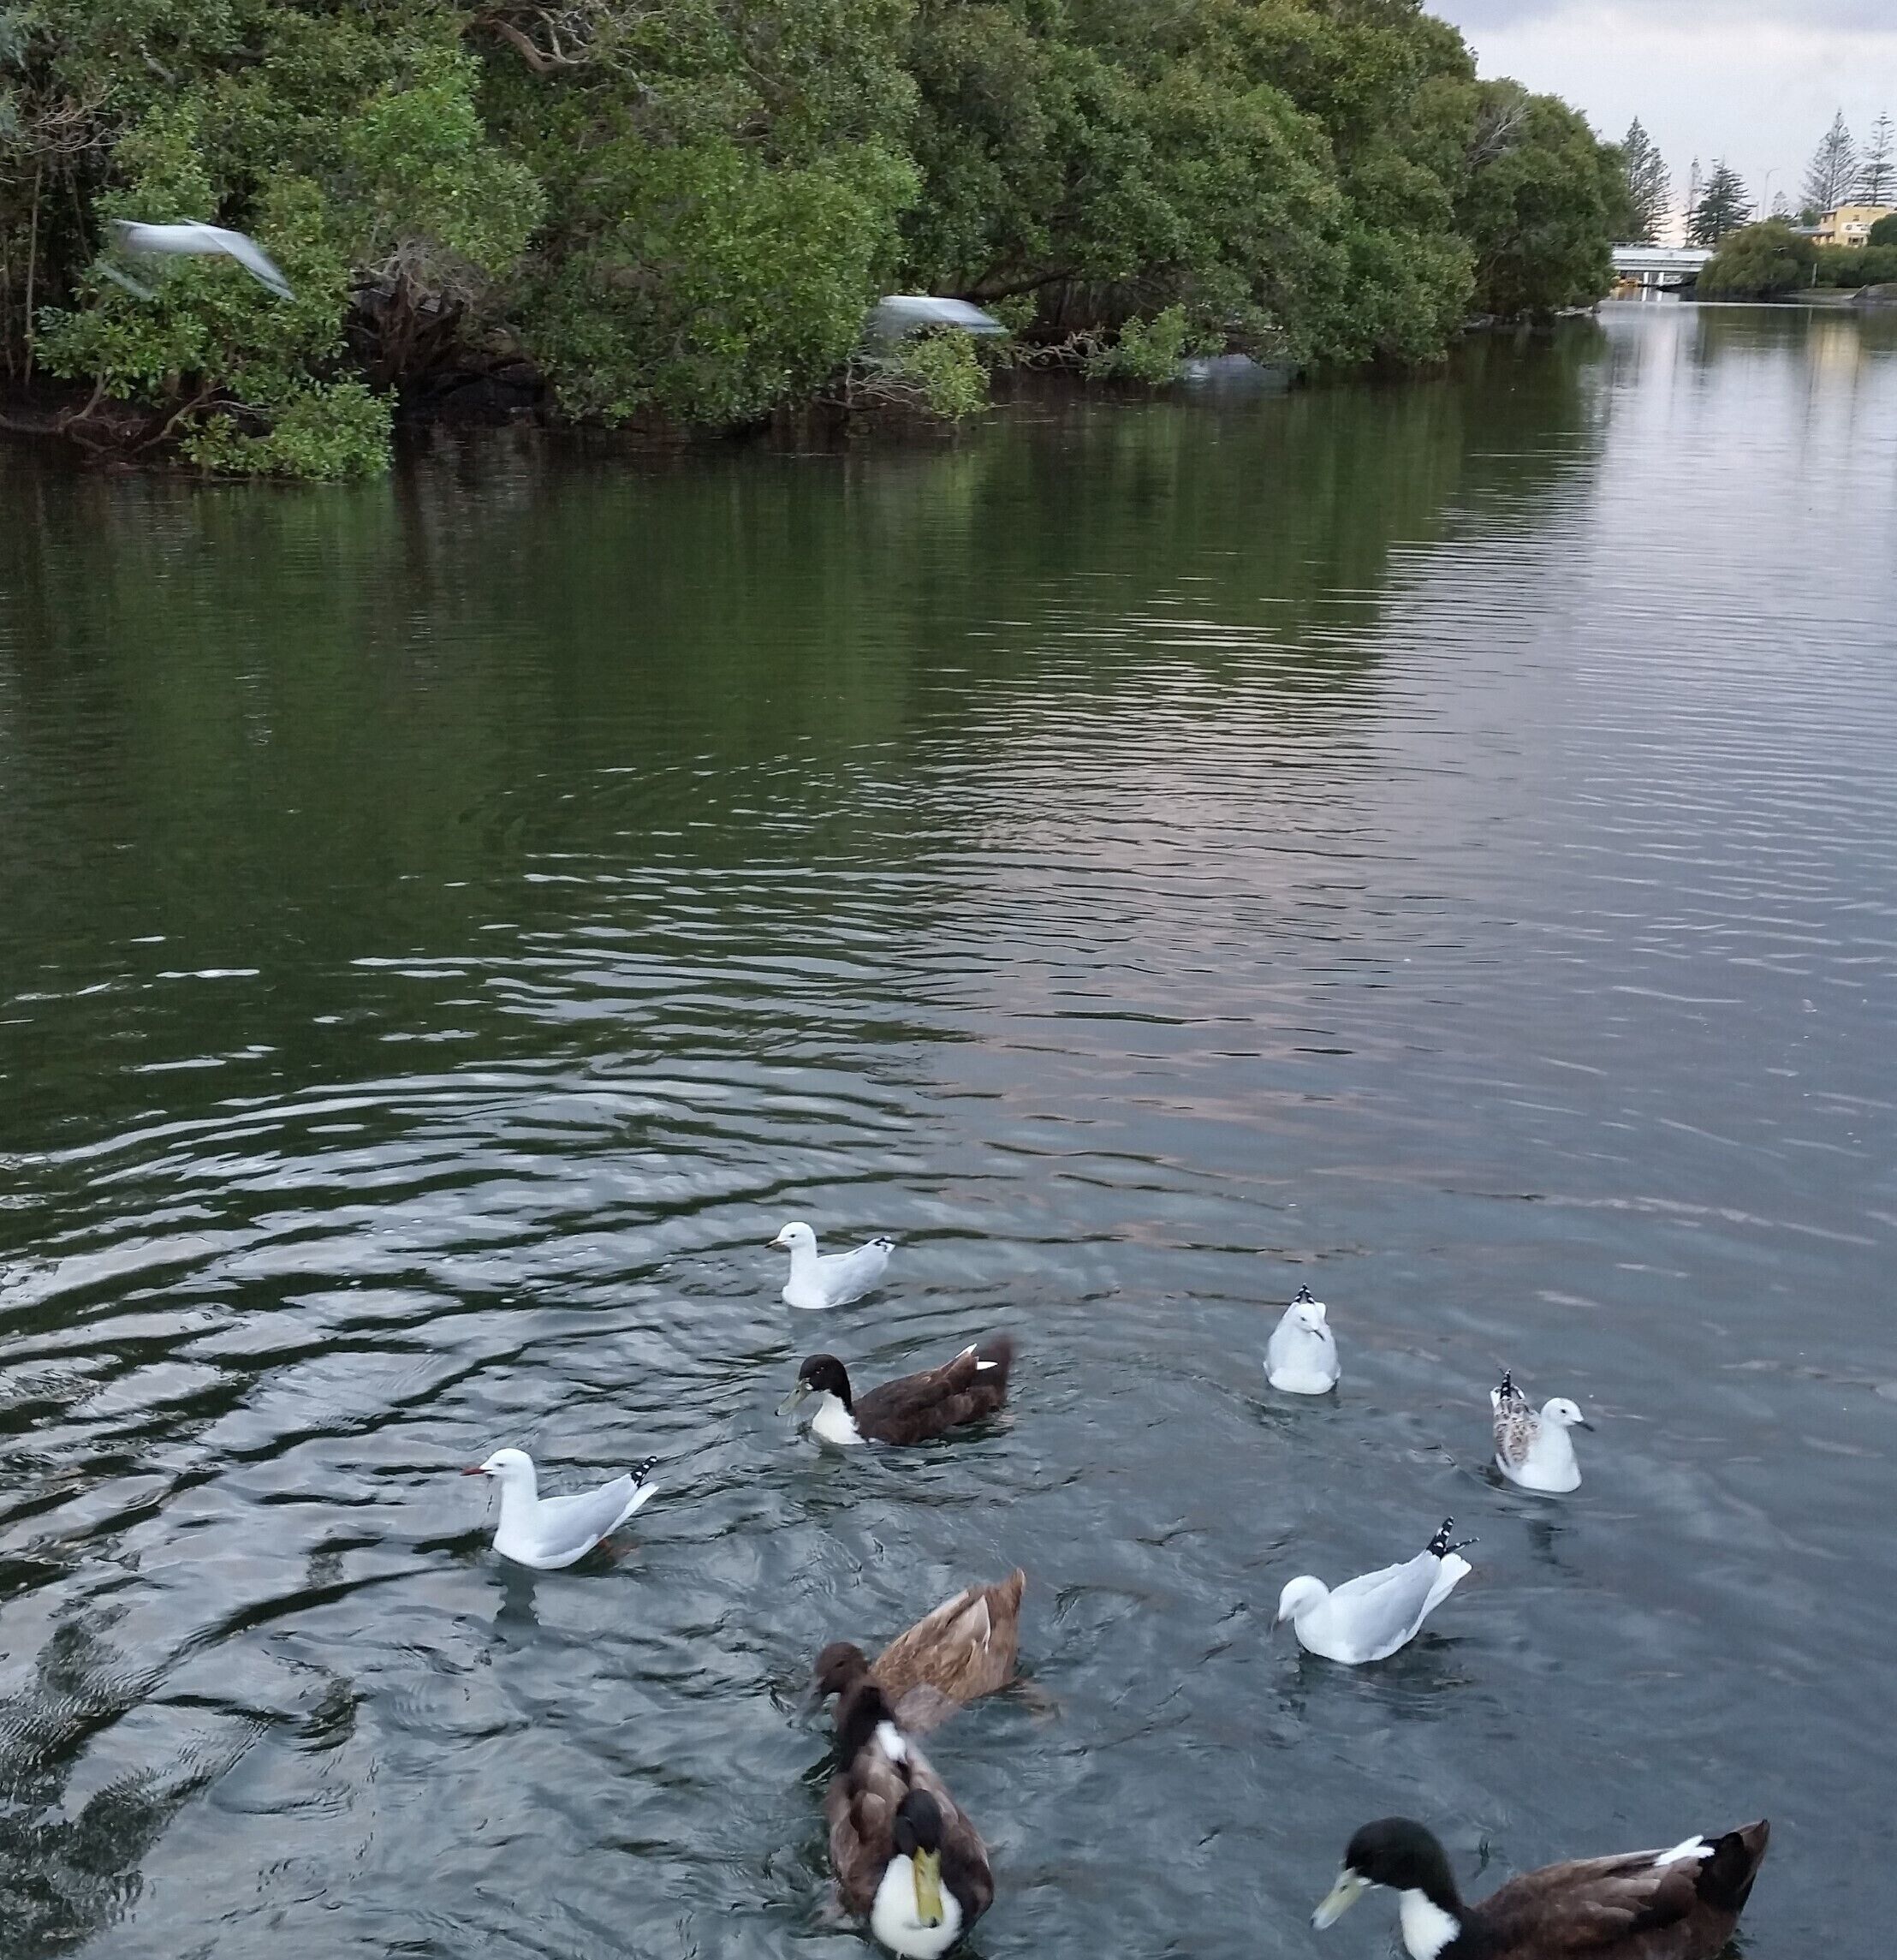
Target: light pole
x,y
1765,193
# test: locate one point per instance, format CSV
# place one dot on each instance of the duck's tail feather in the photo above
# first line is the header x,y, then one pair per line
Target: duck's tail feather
x,y
1004,1596
994,1357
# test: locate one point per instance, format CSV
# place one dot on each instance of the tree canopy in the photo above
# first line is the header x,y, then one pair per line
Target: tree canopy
x,y
1542,206
681,212
1876,178
1648,189
1723,206
1758,262
1833,169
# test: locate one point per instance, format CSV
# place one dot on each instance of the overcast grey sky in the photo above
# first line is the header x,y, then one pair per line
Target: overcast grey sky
x,y
1756,81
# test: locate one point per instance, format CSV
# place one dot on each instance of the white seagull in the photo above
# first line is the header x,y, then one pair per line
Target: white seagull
x,y
548,1532
1368,1618
1301,1357
830,1279
1533,1450
201,241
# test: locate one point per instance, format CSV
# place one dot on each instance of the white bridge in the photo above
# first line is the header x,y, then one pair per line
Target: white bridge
x,y
1659,267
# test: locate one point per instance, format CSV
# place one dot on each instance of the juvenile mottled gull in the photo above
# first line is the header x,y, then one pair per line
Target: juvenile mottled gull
x,y
201,241
1369,1617
548,1532
830,1279
1533,1450
1301,1357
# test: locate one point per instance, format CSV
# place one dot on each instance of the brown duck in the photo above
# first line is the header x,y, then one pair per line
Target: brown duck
x,y
1678,1905
914,1408
965,1648
905,1856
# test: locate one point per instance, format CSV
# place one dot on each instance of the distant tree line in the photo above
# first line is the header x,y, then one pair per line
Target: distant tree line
x,y
1768,260
681,210
1840,173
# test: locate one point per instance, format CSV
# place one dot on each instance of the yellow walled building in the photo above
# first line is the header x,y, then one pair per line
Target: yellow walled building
x,y
1850,223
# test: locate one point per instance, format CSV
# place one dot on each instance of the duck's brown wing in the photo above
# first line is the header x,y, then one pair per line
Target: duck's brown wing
x,y
964,1865
1628,1908
964,1648
916,1407
921,1708
860,1807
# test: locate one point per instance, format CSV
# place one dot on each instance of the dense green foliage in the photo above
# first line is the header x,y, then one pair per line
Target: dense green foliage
x,y
680,212
355,149
1884,231
1544,207
1148,351
1760,262
1865,265
723,183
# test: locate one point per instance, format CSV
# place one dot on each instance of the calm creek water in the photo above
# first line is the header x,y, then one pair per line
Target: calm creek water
x,y
1438,843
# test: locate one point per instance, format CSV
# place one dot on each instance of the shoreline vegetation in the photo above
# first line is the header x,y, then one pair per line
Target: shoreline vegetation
x,y
674,220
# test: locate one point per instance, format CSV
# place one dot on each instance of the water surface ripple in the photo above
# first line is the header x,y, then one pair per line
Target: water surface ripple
x,y
1432,843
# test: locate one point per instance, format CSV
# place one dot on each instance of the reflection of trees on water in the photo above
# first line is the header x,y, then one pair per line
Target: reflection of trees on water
x,y
66,1874
510,697
1836,338
294,731
377,675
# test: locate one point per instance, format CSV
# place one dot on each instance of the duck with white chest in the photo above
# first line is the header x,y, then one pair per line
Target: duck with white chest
x,y
1681,1903
915,1408
905,1855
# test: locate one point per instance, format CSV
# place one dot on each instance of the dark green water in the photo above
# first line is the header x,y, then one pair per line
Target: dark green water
x,y
1436,842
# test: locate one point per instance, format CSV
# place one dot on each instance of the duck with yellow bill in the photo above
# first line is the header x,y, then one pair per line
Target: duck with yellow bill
x,y
905,1855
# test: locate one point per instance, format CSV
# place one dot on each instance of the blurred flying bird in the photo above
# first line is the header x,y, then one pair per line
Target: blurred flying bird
x,y
197,242
898,314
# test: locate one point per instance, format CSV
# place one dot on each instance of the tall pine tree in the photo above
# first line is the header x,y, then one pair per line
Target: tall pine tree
x,y
1877,170
1828,177
1723,206
1647,182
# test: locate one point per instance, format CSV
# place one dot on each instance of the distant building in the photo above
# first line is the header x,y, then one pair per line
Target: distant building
x,y
1850,225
